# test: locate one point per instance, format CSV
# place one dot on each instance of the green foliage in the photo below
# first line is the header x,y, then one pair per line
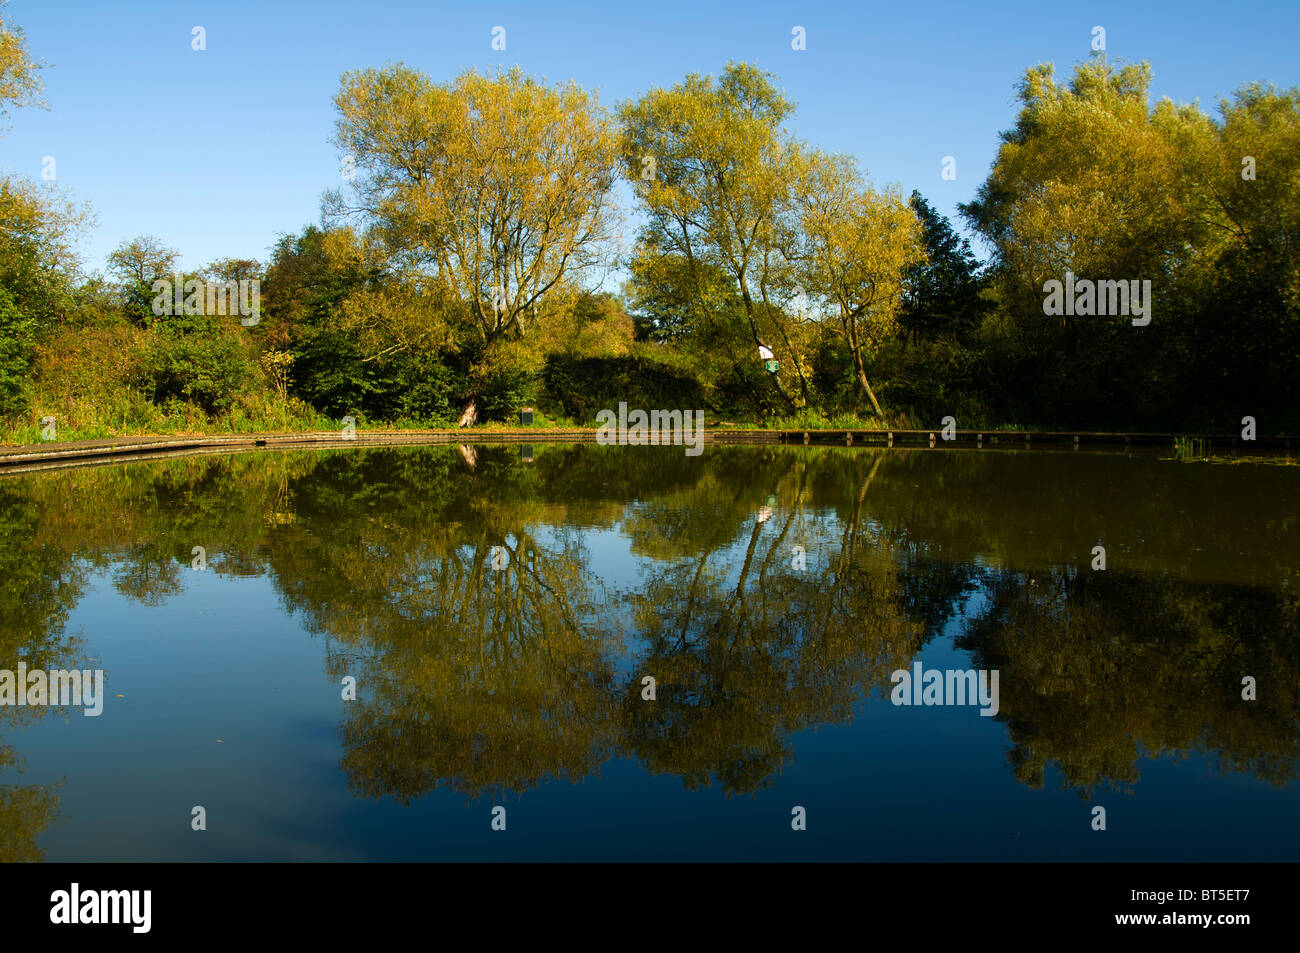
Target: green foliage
x,y
17,338
423,390
943,296
503,394
199,360
37,230
329,374
137,264
585,386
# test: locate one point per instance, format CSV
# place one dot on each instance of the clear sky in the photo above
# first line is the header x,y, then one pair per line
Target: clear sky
x,y
219,151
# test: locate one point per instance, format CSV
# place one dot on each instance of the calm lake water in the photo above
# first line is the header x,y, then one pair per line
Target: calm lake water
x,y
499,615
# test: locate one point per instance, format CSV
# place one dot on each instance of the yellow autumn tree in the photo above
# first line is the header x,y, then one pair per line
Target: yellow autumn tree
x,y
856,247
491,191
20,84
710,159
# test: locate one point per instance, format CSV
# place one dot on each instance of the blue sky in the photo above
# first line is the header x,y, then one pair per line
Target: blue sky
x,y
217,152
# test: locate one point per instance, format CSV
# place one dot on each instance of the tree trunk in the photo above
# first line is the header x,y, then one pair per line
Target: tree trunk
x,y
798,366
469,416
864,384
753,330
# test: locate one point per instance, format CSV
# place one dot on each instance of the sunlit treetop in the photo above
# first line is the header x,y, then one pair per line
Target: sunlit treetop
x,y
20,84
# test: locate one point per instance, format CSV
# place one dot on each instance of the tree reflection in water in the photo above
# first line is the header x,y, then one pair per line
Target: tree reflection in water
x,y
487,681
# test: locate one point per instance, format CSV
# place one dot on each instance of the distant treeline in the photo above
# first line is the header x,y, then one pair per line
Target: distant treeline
x,y
454,276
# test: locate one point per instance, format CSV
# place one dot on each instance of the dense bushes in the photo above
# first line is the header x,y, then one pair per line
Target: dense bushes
x,y
583,386
201,361
17,338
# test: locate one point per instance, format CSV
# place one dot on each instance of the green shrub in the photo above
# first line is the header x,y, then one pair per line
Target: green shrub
x,y
582,387
17,338
202,363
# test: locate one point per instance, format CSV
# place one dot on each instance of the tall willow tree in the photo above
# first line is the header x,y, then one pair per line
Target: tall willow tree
x,y
489,192
1089,181
1095,180
710,162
